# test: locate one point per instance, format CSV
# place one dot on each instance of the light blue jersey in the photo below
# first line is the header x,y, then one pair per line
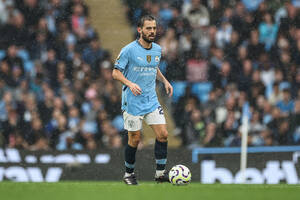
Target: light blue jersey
x,y
139,65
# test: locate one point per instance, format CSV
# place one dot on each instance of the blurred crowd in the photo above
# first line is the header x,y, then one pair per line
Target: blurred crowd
x,y
56,89
231,63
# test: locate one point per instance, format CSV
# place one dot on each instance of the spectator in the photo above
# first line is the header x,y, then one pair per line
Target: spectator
x,y
286,105
11,127
223,34
14,31
231,47
53,13
32,12
244,78
93,54
198,17
194,128
197,68
196,13
51,68
5,73
267,72
13,60
229,129
216,12
169,43
39,47
225,76
268,31
276,94
6,9
295,123
110,135
78,19
188,103
70,5
255,47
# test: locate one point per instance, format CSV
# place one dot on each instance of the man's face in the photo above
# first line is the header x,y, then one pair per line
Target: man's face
x,y
286,96
148,31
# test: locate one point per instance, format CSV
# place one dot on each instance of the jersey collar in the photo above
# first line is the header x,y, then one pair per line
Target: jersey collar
x,y
142,45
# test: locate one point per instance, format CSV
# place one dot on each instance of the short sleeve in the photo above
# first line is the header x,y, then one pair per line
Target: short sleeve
x,y
122,60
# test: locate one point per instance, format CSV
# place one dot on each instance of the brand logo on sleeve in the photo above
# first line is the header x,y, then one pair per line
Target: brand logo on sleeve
x,y
117,59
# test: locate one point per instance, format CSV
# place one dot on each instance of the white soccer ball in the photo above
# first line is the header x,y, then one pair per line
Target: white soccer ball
x,y
180,175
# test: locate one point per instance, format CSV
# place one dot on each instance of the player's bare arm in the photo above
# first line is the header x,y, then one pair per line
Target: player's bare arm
x,y
118,75
168,86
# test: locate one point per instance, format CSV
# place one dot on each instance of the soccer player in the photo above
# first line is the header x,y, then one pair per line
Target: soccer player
x,y
137,69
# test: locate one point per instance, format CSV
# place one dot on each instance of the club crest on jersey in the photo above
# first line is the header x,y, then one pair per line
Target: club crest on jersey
x,y
148,58
156,58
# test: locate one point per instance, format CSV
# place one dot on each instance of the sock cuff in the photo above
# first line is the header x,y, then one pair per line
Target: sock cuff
x,y
131,148
161,143
161,161
130,166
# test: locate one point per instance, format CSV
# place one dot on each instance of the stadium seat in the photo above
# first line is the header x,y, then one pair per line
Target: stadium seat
x,y
163,67
202,90
118,123
284,85
23,54
178,89
29,66
2,54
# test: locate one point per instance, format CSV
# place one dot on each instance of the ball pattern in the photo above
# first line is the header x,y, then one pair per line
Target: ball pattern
x,y
180,175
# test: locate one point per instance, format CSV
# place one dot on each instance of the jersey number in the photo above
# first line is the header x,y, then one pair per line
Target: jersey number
x,y
160,110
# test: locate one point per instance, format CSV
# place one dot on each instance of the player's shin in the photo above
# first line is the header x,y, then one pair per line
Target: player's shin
x,y
160,151
129,159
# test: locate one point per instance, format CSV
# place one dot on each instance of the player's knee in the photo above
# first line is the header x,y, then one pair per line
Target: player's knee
x,y
163,136
134,139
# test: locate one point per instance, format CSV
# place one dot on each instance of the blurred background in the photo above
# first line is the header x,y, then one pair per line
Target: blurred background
x,y
226,60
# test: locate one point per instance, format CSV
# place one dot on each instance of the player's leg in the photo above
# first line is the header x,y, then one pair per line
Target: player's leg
x,y
130,151
160,151
157,122
133,124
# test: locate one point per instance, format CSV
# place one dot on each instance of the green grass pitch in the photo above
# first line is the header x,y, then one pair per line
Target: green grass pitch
x,y
144,191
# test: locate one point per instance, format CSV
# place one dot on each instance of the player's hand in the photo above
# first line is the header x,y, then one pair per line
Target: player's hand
x,y
135,89
169,88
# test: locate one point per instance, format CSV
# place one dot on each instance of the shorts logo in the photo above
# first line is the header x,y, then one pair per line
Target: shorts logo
x,y
156,58
130,123
148,58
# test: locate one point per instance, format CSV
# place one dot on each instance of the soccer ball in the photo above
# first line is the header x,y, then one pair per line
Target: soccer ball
x,y
180,175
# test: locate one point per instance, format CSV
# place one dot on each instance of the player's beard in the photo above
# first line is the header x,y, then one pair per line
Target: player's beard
x,y
147,38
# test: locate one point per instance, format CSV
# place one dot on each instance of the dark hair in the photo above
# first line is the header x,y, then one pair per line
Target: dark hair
x,y
145,18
